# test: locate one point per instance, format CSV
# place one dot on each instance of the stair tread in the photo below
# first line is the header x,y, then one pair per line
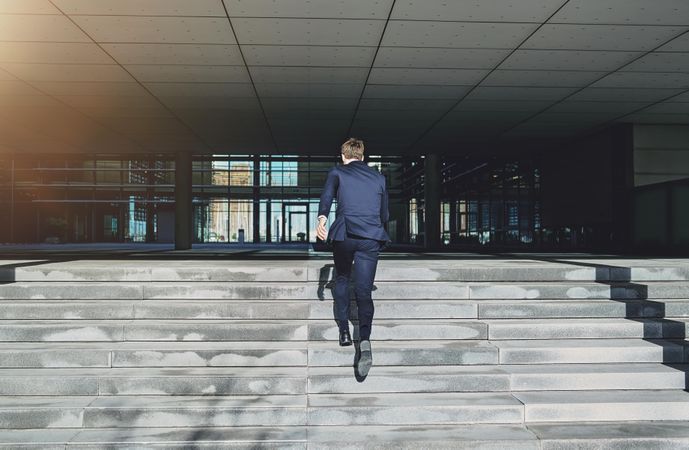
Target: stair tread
x,y
645,396
375,434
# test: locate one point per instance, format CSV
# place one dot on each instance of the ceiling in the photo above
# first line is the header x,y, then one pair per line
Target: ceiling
x,y
299,76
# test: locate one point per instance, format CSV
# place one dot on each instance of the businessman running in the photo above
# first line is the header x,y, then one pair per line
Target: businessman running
x,y
357,235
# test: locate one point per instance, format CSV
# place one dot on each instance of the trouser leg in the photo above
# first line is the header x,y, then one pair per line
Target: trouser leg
x,y
343,254
365,264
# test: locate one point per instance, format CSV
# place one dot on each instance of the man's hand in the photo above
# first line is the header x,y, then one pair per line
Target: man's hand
x,y
321,231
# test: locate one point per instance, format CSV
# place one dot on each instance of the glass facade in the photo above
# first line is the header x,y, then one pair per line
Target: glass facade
x,y
495,205
108,198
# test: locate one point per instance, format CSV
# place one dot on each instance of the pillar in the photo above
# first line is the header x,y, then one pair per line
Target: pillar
x,y
183,216
431,190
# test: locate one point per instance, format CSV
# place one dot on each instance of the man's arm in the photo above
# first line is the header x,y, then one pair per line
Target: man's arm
x,y
329,192
384,213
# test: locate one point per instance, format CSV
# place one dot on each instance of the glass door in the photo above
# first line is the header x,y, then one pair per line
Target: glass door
x,y
295,223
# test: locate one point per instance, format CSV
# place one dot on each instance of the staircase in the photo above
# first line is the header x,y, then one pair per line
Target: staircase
x,y
477,353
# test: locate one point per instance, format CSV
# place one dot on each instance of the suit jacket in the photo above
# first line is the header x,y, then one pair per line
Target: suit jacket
x,y
362,202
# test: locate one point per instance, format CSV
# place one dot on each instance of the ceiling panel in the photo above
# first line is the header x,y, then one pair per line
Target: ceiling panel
x,y
668,108
308,31
68,72
39,28
52,53
568,60
624,94
657,118
625,12
545,78
576,106
679,44
401,114
228,116
414,92
465,77
682,97
601,37
439,57
336,9
135,126
463,117
180,73
107,111
4,76
143,7
661,62
503,105
309,90
576,118
286,104
27,7
518,93
314,126
16,88
645,80
476,11
201,89
189,30
311,114
112,90
208,102
389,127
183,54
105,102
267,74
455,34
411,104
29,140
163,143
278,55
545,130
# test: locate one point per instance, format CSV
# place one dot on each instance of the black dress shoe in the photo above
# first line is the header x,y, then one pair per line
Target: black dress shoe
x,y
345,338
365,360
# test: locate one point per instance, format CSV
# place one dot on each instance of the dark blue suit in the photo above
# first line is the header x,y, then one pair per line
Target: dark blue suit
x,y
357,235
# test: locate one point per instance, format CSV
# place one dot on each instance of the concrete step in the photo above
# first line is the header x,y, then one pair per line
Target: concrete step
x,y
154,354
656,435
151,411
499,378
666,435
407,409
326,330
183,438
302,310
441,269
449,290
222,309
408,353
613,405
586,328
239,354
214,330
322,409
556,351
213,381
542,309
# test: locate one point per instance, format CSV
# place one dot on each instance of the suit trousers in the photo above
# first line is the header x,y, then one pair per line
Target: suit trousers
x,y
355,258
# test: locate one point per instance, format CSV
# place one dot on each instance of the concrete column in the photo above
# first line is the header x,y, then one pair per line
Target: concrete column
x,y
183,219
432,201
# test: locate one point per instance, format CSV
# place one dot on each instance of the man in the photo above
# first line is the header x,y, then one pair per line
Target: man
x,y
357,235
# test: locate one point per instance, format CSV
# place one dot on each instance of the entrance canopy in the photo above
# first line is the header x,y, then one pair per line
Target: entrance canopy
x,y
297,76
